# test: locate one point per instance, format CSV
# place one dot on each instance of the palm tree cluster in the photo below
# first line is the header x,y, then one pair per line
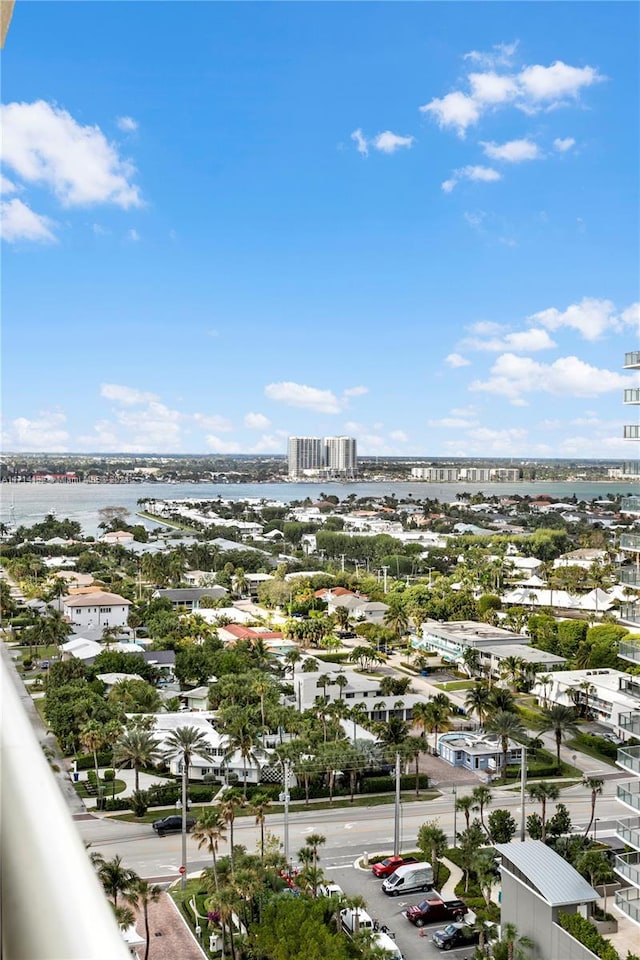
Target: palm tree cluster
x,y
125,889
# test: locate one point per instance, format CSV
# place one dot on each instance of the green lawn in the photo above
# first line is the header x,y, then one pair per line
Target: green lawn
x,y
456,685
296,806
114,787
590,752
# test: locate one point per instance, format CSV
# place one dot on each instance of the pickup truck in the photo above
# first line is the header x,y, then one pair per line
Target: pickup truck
x,y
435,910
455,935
389,865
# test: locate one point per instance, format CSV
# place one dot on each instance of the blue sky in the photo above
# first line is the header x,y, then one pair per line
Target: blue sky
x,y
225,223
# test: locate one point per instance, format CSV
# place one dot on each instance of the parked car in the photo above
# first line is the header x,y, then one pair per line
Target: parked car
x,y
387,866
432,910
409,879
455,935
330,890
172,824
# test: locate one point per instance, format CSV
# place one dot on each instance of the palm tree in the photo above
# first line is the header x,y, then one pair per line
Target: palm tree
x,y
517,947
478,701
358,714
507,726
471,660
209,831
225,902
230,804
242,738
137,748
432,843
595,785
260,803
341,682
562,721
396,619
481,797
184,743
465,805
435,718
145,894
545,680
92,739
512,669
502,699
292,657
116,879
542,792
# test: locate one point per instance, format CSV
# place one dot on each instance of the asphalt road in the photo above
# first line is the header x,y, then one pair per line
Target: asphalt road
x,y
349,832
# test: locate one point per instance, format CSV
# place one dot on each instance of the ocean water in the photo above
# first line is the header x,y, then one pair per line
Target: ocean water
x,y
27,503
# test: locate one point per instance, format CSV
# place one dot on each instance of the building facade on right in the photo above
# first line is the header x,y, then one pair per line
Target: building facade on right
x,y
627,865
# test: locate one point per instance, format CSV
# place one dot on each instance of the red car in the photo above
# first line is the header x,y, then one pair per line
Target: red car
x,y
389,865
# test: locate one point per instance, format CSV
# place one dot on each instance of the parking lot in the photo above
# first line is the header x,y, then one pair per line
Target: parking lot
x,y
389,911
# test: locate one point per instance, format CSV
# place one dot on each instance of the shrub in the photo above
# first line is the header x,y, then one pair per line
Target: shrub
x,y
585,932
109,776
92,778
84,761
139,802
388,784
590,740
118,803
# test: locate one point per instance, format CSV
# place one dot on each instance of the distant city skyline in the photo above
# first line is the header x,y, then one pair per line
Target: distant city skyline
x,y
224,225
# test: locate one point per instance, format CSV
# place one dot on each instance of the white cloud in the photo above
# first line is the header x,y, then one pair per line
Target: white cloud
x,y
268,443
399,436
386,142
471,172
360,141
556,82
456,360
213,422
531,89
631,316
257,421
451,423
133,235
45,433
513,377
7,186
389,142
492,88
514,151
127,396
475,218
216,445
301,395
43,144
591,317
127,124
500,55
562,144
99,230
20,222
455,110
525,341
356,391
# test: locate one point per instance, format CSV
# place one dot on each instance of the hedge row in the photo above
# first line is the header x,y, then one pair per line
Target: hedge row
x,y
388,784
605,747
84,761
584,931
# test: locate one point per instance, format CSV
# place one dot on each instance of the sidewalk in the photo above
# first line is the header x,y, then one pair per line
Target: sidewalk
x,y
448,891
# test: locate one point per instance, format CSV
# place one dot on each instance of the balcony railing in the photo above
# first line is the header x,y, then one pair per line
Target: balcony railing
x,y
629,793
632,395
630,505
629,902
629,651
629,758
629,831
628,866
629,575
53,904
632,431
632,359
630,541
630,722
630,612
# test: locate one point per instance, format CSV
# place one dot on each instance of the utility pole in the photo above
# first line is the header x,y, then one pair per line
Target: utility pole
x,y
285,766
523,786
342,561
396,818
455,816
384,574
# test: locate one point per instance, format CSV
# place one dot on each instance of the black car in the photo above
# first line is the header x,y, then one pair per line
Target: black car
x,y
172,825
455,935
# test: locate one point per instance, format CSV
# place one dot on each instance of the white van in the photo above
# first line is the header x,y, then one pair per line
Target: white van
x,y
409,879
384,942
355,919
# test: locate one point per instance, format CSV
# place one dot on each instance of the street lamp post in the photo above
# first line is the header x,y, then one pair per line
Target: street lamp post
x,y
455,816
595,828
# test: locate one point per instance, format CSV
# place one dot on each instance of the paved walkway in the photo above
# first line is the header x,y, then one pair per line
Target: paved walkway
x,y
169,935
448,891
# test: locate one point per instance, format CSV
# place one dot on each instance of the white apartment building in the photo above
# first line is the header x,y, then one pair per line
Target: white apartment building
x,y
98,609
470,474
328,457
628,793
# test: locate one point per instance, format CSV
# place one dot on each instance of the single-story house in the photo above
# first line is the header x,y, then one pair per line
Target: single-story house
x,y
189,597
118,536
196,699
111,680
477,752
